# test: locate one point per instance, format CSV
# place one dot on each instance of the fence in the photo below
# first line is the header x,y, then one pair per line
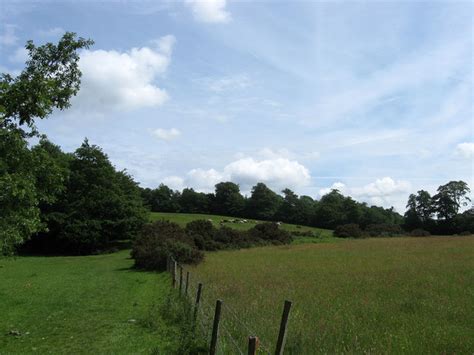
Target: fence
x,y
219,321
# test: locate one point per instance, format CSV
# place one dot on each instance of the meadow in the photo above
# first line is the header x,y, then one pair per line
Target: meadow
x,y
183,218
83,304
385,295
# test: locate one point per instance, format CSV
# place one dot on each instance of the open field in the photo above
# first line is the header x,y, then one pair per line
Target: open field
x,y
84,304
395,295
183,218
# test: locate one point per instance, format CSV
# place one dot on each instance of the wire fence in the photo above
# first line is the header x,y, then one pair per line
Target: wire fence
x,y
218,322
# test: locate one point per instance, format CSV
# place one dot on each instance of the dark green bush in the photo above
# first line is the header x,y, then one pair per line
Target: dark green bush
x,y
465,233
419,233
203,233
265,233
162,239
383,230
351,230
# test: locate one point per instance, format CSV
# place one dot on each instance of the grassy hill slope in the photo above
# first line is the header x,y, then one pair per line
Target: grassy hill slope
x,y
183,218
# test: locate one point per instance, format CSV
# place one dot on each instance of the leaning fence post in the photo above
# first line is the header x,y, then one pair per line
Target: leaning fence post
x,y
174,264
187,283
282,334
198,300
253,345
180,279
215,328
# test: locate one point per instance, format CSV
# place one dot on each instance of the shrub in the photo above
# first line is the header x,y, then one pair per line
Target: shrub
x,y
269,232
383,230
162,239
203,233
419,233
465,233
351,230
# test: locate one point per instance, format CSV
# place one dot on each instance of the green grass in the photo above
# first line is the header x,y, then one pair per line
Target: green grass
x,y
386,295
183,218
83,304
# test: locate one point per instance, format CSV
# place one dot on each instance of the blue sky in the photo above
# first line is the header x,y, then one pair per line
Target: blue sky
x,y
374,98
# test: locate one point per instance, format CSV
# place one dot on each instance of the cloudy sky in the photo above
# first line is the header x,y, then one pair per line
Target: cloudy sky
x,y
374,98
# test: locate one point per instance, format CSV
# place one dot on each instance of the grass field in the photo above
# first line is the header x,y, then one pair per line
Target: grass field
x,y
183,218
87,304
387,295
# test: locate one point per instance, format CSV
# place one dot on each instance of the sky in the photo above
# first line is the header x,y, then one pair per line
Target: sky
x,y
374,98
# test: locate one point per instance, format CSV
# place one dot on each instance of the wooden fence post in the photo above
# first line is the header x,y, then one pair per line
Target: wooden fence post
x,y
187,283
198,300
180,279
253,345
215,328
174,267
282,334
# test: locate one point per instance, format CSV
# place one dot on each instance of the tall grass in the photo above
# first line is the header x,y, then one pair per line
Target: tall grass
x,y
397,295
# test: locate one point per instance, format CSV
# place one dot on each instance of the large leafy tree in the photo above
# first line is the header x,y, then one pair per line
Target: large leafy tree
x,y
101,204
228,201
450,198
48,82
263,202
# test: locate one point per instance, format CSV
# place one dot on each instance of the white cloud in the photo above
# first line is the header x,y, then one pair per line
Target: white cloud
x,y
166,134
8,37
384,192
115,80
174,182
52,32
246,171
465,150
19,56
210,11
204,180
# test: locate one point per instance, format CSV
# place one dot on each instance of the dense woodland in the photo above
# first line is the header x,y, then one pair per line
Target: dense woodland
x,y
80,203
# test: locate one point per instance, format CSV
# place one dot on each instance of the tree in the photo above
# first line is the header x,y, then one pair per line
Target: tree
x,y
18,195
101,204
191,201
450,198
263,202
50,79
162,199
228,201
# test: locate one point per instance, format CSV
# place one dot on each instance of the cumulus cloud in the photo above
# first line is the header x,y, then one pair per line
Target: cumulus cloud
x,y
113,80
210,11
384,192
166,134
246,171
465,150
8,37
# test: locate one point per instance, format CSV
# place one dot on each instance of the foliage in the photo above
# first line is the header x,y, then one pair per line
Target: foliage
x,y
100,205
228,200
28,178
350,230
269,233
450,198
419,233
263,202
50,79
383,230
160,240
18,194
